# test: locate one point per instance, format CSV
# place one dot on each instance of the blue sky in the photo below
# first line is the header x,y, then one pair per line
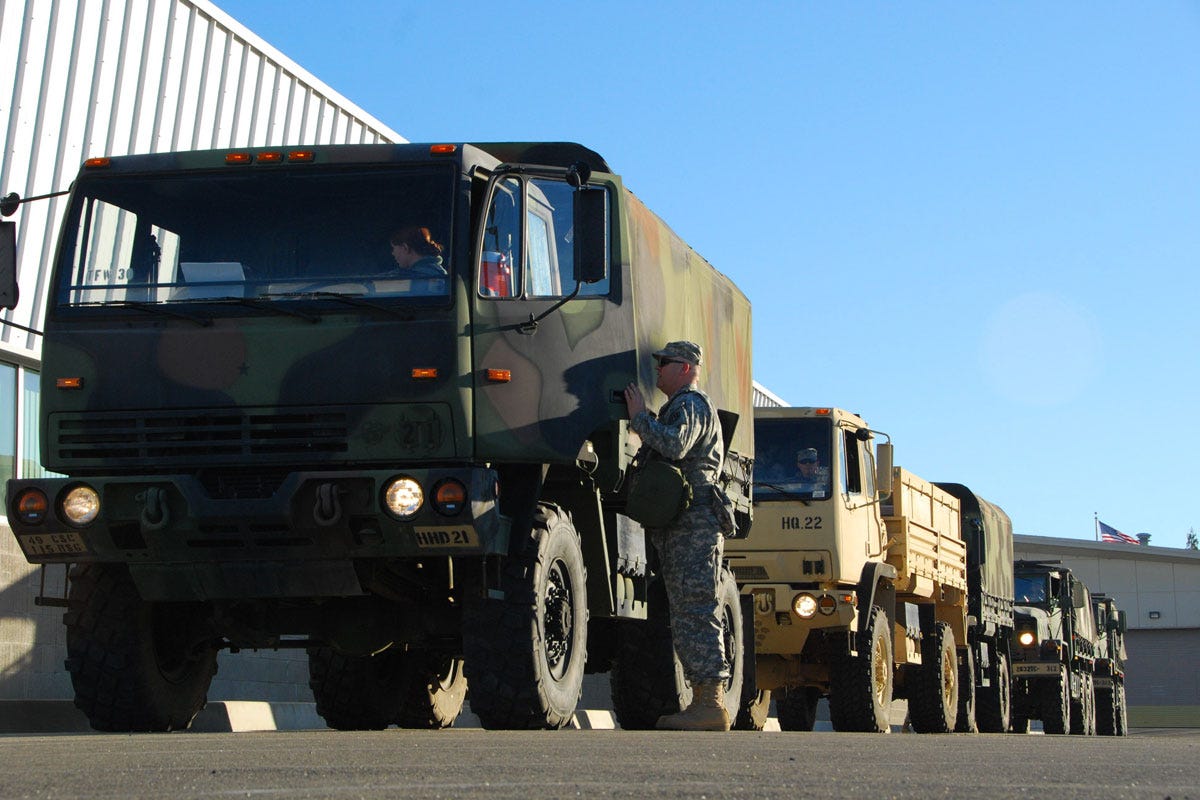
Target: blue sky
x,y
976,224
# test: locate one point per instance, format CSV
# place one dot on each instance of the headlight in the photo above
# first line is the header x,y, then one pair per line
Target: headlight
x,y
805,606
81,505
1026,638
31,506
403,497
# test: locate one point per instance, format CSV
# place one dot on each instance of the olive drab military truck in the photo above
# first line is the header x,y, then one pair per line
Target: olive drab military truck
x,y
273,435
1112,714
1054,650
857,575
985,685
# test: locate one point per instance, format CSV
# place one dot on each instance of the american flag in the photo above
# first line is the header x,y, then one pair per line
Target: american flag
x,y
1111,534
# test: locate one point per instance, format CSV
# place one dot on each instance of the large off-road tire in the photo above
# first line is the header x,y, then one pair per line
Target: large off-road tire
x,y
1083,708
357,693
933,700
1055,703
860,692
1122,710
434,692
135,666
1106,711
993,705
647,679
415,689
752,716
797,708
966,722
525,654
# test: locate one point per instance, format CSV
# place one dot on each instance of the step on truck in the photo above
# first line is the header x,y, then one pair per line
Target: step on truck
x,y
271,434
985,686
1054,650
1112,714
856,572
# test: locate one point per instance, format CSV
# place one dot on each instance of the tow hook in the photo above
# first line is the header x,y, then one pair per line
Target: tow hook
x,y
327,510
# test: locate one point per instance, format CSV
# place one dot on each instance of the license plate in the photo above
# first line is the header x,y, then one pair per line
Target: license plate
x,y
52,544
1035,669
446,536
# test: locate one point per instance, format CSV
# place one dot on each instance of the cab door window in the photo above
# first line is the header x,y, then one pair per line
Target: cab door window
x,y
528,243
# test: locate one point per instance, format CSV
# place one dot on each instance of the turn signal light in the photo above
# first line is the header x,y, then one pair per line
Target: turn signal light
x,y
499,375
68,383
424,373
449,497
442,149
97,163
32,506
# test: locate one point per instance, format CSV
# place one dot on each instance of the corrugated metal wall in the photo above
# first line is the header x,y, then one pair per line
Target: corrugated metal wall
x,y
81,78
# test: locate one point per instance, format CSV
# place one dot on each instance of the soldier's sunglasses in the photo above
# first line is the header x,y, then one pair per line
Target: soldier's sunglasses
x,y
662,362
806,461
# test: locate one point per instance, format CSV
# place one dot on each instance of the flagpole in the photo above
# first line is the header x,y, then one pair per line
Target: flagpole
x,y
1096,519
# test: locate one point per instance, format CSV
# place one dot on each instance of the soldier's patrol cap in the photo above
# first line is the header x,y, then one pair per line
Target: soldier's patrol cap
x,y
806,454
683,351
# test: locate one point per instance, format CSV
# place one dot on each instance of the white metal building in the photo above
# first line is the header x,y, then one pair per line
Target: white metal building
x,y
83,78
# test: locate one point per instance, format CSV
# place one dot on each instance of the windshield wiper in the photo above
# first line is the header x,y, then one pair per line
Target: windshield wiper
x,y
267,305
348,299
156,308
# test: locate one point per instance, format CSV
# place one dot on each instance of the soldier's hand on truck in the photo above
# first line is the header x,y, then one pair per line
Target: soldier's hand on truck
x,y
633,399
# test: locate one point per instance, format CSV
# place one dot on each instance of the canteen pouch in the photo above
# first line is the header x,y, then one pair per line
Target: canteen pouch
x,y
658,493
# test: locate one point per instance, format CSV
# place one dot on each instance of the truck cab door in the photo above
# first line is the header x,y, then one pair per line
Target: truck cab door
x,y
545,365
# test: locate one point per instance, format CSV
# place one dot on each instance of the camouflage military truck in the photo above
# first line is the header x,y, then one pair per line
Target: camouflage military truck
x,y
1054,650
272,436
857,573
985,685
1112,716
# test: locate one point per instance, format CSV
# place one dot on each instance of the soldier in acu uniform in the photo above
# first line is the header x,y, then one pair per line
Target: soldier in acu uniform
x,y
687,433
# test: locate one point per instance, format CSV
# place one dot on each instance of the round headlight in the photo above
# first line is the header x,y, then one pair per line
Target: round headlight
x,y
805,606
81,505
403,497
31,506
1026,638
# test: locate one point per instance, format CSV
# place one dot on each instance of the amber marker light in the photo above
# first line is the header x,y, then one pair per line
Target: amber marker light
x,y
424,373
442,149
824,412
301,155
97,163
31,506
499,375
238,158
270,157
68,383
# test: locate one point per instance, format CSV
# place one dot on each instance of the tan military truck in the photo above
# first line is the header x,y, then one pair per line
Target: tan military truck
x,y
857,575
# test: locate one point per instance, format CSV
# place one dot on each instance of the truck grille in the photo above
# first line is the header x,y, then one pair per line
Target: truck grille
x,y
199,437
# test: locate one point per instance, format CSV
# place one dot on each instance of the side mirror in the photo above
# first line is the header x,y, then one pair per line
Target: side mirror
x,y
8,265
591,235
883,469
1122,622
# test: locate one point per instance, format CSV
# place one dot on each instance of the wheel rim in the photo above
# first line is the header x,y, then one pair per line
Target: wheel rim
x,y
881,670
729,641
560,619
949,676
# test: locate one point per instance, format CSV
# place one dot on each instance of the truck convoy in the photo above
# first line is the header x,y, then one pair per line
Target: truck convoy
x,y
863,586
269,436
1055,650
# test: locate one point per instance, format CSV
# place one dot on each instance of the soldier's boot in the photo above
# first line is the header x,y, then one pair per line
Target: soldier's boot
x,y
706,713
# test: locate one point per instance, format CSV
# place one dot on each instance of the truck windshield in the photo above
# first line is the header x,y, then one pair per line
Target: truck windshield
x,y
792,458
1030,589
265,235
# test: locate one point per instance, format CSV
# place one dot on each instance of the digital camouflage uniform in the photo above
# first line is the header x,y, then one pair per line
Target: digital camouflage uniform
x,y
687,433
